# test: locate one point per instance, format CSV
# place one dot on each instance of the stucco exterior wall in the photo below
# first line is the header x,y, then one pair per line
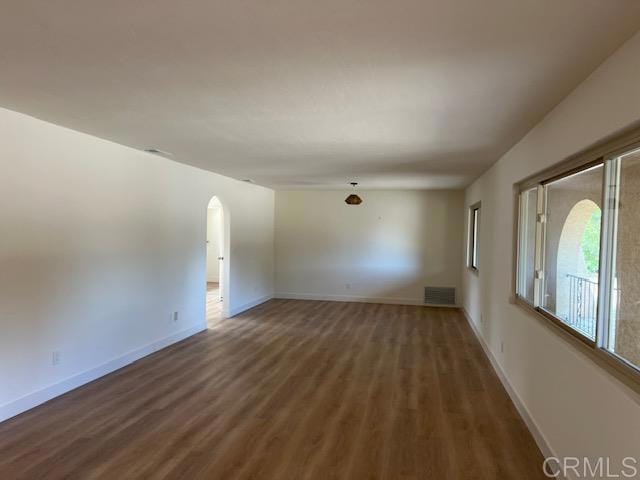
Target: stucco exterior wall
x,y
627,339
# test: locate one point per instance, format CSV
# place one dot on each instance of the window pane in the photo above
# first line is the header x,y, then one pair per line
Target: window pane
x,y
572,249
624,318
474,247
527,244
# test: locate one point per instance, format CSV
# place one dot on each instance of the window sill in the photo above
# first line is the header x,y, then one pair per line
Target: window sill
x,y
617,367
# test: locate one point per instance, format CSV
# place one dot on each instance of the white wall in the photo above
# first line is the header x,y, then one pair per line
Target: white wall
x,y
387,249
579,408
99,245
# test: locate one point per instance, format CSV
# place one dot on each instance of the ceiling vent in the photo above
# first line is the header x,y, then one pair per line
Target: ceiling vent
x,y
156,151
439,296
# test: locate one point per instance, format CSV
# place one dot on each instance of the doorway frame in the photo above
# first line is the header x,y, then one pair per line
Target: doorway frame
x,y
225,276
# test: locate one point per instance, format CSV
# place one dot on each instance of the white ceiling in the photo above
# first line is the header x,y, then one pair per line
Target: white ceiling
x,y
308,93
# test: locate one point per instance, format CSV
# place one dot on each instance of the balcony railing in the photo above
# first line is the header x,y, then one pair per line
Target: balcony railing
x,y
583,305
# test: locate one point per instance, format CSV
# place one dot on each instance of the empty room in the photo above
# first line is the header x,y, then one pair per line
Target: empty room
x,y
331,239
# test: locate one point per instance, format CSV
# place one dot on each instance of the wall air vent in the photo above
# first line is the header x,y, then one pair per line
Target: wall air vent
x,y
439,296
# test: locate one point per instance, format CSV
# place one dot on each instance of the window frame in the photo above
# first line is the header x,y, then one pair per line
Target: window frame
x,y
519,231
607,153
473,241
541,247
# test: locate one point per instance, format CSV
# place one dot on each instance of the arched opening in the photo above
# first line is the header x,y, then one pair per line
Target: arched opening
x,y
577,267
216,271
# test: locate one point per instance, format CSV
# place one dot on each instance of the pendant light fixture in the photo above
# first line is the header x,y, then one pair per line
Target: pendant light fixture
x,y
353,199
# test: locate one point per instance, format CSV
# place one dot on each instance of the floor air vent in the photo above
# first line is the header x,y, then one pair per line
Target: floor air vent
x,y
439,296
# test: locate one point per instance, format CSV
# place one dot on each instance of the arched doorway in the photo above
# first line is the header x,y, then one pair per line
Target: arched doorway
x,y
216,271
578,265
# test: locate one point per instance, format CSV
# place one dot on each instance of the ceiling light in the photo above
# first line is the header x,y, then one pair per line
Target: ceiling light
x,y
353,199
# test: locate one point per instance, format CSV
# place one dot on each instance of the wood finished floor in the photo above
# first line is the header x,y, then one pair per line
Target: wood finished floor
x,y
214,305
289,390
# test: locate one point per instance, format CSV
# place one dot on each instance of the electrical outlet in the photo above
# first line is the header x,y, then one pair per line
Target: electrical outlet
x,y
55,357
175,316
347,286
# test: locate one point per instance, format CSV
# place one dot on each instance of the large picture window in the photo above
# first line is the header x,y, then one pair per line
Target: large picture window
x,y
579,252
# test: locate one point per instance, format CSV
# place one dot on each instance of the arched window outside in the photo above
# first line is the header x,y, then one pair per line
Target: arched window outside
x,y
571,249
576,296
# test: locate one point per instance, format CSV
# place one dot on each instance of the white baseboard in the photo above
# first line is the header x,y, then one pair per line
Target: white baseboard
x,y
34,399
253,303
537,434
353,298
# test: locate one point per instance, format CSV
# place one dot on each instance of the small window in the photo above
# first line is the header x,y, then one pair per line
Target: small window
x,y
474,231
